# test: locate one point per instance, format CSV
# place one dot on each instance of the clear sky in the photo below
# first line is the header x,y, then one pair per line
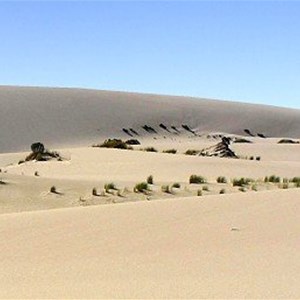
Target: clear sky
x,y
235,50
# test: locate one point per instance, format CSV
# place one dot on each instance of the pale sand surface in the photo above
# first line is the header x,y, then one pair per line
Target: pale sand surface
x,y
123,244
229,246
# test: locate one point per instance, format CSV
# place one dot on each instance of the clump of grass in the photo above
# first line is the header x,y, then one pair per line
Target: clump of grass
x,y
166,189
94,192
273,179
199,192
221,179
241,181
2,182
191,152
176,185
197,179
114,143
242,189
141,187
285,185
150,179
109,186
150,149
258,158
251,157
171,151
222,191
254,188
36,173
53,189
205,188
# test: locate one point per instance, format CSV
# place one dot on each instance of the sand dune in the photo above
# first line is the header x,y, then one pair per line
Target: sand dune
x,y
233,246
187,242
60,116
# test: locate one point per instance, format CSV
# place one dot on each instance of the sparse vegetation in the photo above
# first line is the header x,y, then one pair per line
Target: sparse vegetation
x,y
176,185
222,191
171,151
53,190
221,179
241,181
94,192
191,152
150,179
288,141
241,140
114,143
150,149
273,179
141,187
199,192
242,189
166,189
36,173
258,158
108,187
205,188
197,179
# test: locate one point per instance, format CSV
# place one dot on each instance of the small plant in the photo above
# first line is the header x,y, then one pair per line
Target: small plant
x,y
2,182
166,189
285,185
241,181
171,151
221,179
251,158
94,192
176,185
197,179
114,143
150,149
199,192
205,188
53,190
150,179
141,187
36,173
273,179
109,186
222,191
254,188
258,158
192,152
242,189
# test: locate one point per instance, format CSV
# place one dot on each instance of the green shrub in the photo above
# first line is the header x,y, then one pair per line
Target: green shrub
x,y
205,188
94,192
221,179
222,191
273,179
109,186
171,151
114,143
53,189
197,179
241,181
166,189
150,149
192,152
141,187
176,185
150,179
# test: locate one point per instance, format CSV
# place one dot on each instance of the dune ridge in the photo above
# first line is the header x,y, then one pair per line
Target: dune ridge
x,y
72,117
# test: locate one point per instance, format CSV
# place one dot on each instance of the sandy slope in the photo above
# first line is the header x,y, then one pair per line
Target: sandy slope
x,y
81,117
153,245
229,246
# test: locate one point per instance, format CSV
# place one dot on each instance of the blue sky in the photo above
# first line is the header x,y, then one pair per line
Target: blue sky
x,y
234,50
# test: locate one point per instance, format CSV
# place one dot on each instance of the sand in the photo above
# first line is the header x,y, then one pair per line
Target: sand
x,y
123,244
